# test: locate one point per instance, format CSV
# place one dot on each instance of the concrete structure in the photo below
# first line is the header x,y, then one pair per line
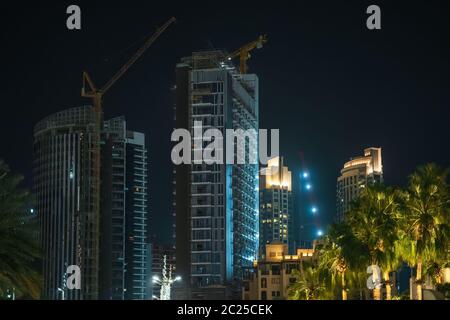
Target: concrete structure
x,y
356,174
273,275
66,200
275,205
216,205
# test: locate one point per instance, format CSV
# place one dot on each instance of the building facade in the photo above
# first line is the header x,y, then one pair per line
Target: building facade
x,y
67,200
356,174
137,245
112,276
125,249
216,205
275,205
272,275
102,230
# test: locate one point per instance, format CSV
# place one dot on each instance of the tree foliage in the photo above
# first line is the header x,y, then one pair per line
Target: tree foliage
x,y
19,251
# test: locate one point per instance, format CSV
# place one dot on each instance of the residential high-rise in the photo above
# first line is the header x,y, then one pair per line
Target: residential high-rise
x,y
113,173
356,174
67,201
216,205
125,251
275,205
137,244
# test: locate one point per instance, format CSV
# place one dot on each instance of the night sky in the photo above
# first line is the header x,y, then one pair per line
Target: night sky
x,y
332,86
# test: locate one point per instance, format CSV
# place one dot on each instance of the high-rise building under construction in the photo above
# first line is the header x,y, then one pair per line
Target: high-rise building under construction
x,y
216,205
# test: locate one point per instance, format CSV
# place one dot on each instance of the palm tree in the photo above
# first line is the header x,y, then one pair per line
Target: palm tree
x,y
390,262
435,268
339,251
308,286
425,223
357,283
19,252
373,218
331,258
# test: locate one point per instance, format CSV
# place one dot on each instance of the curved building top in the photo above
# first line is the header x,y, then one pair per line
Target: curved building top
x,y
78,116
371,161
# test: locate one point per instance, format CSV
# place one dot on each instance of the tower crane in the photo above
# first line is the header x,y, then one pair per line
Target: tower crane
x,y
97,94
244,52
90,90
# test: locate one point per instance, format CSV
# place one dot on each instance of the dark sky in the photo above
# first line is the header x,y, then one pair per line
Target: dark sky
x,y
332,86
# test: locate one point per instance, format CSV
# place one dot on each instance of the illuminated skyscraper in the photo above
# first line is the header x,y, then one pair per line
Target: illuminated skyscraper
x,y
356,174
216,205
275,205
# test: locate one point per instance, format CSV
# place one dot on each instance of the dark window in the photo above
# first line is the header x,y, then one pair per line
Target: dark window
x,y
264,283
276,270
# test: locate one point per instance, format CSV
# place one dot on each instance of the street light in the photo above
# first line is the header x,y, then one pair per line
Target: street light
x,y
166,281
314,210
308,187
62,293
11,294
320,233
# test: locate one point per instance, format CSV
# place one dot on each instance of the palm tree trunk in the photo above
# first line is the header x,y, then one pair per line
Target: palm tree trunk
x,y
419,279
377,289
377,293
388,286
344,289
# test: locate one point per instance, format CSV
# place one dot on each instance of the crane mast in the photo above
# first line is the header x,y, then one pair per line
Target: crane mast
x,y
89,90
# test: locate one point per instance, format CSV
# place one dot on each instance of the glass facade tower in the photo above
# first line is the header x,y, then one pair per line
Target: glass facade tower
x,y
65,144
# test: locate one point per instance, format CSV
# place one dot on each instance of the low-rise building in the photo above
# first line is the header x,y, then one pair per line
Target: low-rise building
x,y
273,274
